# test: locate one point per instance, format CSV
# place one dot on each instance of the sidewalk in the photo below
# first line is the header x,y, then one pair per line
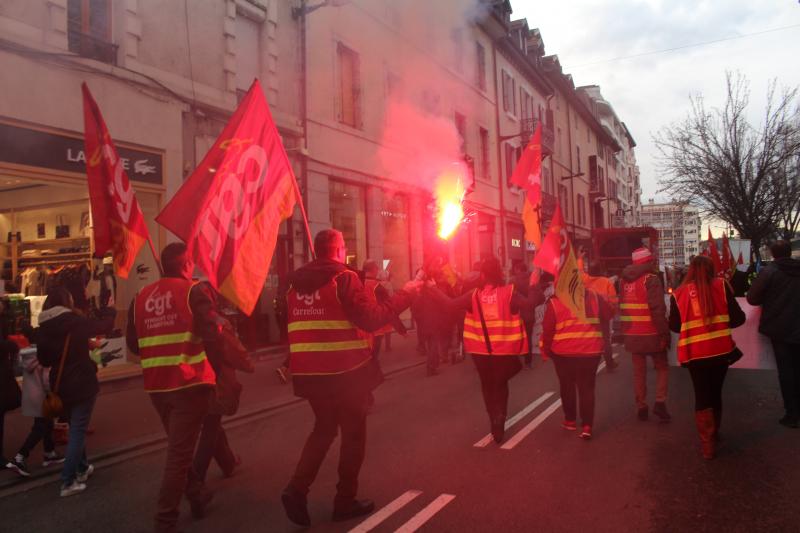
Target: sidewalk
x,y
124,419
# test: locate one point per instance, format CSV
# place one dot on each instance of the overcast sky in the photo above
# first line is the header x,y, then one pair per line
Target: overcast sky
x,y
652,91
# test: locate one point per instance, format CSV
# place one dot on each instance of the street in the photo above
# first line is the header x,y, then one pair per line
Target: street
x,y
425,468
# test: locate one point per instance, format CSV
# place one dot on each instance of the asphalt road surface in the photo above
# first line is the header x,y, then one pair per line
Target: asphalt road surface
x,y
428,466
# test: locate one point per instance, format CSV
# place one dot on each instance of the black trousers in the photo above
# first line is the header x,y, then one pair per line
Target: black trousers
x,y
576,378
2,424
212,444
42,429
787,358
348,414
495,371
708,376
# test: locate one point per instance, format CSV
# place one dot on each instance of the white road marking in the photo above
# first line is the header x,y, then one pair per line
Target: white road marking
x,y
516,418
419,519
374,520
533,424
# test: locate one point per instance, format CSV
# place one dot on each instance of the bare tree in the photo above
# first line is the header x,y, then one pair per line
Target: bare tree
x,y
788,189
716,160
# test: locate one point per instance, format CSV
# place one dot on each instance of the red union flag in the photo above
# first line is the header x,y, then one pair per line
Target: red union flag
x,y
228,211
557,257
714,253
118,222
528,175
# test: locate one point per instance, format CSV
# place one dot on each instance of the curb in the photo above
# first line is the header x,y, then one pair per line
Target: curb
x,y
154,443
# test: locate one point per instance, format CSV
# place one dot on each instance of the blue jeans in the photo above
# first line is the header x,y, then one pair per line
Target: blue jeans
x,y
75,458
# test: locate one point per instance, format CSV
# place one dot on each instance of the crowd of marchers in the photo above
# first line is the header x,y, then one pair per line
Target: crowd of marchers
x,y
335,321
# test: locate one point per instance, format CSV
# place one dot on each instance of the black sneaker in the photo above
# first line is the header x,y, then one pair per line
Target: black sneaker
x,y
296,507
353,509
641,414
200,504
52,458
660,410
17,464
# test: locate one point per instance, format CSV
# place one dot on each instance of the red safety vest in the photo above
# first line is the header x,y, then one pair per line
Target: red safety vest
x,y
172,356
371,285
634,310
506,330
699,338
322,340
577,337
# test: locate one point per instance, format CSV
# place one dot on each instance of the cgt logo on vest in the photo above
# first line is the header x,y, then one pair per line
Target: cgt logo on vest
x,y
158,303
308,300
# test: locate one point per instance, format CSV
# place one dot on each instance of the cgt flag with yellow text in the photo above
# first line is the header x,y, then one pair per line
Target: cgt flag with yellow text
x,y
557,257
229,210
117,220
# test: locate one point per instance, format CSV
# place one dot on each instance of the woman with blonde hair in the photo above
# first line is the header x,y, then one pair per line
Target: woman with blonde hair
x,y
703,311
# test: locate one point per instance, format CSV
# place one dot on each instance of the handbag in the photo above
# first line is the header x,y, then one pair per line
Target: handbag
x,y
52,406
734,356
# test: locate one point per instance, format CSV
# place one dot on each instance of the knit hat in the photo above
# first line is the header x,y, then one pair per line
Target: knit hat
x,y
641,256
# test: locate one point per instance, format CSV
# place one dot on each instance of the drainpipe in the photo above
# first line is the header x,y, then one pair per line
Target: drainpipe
x,y
304,119
501,185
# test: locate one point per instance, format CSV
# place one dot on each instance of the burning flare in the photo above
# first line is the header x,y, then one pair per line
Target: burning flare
x,y
449,193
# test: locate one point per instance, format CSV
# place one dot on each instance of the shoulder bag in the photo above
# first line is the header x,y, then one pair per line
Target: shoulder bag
x,y
52,406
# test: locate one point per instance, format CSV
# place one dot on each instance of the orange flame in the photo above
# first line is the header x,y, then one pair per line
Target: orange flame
x,y
449,193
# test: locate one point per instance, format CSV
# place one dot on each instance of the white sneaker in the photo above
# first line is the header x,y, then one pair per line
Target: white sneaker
x,y
71,490
84,477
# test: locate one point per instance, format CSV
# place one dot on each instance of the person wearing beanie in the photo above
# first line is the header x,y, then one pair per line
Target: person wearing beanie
x,y
645,328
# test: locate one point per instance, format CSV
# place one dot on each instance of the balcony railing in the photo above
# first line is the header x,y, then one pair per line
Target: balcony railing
x,y
528,125
549,202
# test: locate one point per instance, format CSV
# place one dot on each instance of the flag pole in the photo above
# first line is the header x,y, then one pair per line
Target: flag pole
x,y
155,255
305,218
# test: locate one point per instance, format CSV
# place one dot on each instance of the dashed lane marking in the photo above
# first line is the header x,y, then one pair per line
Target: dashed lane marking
x,y
375,520
516,418
533,424
419,519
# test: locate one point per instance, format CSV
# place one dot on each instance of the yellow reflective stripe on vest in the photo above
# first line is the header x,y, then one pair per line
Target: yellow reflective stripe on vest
x,y
515,323
634,306
705,337
173,360
718,319
577,335
635,318
493,337
305,325
328,346
162,340
573,322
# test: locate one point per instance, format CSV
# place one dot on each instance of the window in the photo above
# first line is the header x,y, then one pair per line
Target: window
x,y
89,29
394,86
481,71
526,104
461,126
457,37
348,215
581,210
248,56
510,162
349,87
508,91
563,200
558,146
484,163
578,157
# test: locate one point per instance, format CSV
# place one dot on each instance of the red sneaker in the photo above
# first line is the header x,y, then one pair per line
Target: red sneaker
x,y
586,434
569,425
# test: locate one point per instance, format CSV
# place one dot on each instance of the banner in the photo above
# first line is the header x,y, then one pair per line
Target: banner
x,y
118,223
229,210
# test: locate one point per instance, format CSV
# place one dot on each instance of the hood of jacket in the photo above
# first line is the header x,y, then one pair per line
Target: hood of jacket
x,y
634,272
789,266
53,312
316,275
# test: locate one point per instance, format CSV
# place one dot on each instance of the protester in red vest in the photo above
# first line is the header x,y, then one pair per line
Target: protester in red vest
x,y
703,310
376,289
331,317
169,324
576,345
643,315
494,334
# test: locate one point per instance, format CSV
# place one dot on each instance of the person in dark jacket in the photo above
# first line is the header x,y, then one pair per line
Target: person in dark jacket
x,y
520,278
10,394
60,326
641,286
332,368
777,289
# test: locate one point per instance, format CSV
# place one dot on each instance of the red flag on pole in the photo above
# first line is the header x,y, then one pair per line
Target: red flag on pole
x,y
117,220
558,257
714,253
528,175
727,257
741,259
229,210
